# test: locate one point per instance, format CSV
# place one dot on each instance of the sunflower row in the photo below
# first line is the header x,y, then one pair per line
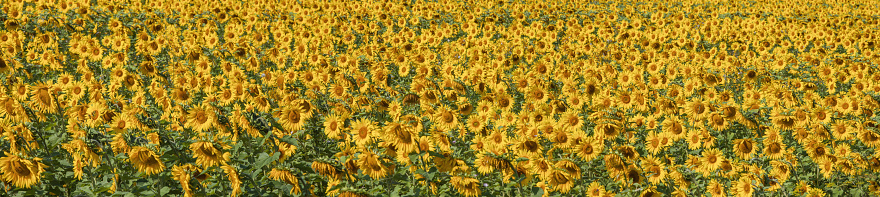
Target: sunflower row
x,y
439,98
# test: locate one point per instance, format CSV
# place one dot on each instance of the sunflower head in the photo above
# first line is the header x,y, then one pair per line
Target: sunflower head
x,y
145,160
21,172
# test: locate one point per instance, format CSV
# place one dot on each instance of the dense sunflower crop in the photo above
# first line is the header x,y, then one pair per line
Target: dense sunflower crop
x,y
448,98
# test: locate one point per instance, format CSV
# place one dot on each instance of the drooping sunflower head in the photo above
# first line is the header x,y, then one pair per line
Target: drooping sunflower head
x,y
207,155
145,160
21,172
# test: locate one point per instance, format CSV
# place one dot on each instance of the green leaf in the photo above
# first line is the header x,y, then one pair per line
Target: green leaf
x,y
396,192
537,192
289,140
263,141
88,190
164,191
303,166
265,159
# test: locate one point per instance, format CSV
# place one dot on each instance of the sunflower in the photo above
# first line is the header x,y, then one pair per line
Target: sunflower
x,y
656,170
711,160
363,131
653,143
841,130
744,148
445,119
201,118
182,174
497,139
716,189
465,185
372,165
6,67
75,91
401,136
43,98
145,160
717,122
674,128
694,139
21,172
287,177
561,181
571,120
606,131
537,94
774,149
817,150
333,127
290,117
476,123
743,187
596,189
697,109
207,155
528,148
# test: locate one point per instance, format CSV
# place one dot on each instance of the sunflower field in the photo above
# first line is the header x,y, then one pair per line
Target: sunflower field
x,y
439,98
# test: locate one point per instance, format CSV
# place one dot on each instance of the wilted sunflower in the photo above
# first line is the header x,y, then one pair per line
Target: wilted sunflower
x,y
784,122
465,185
628,152
21,172
287,177
207,155
870,138
372,165
326,169
632,175
43,98
182,174
145,160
